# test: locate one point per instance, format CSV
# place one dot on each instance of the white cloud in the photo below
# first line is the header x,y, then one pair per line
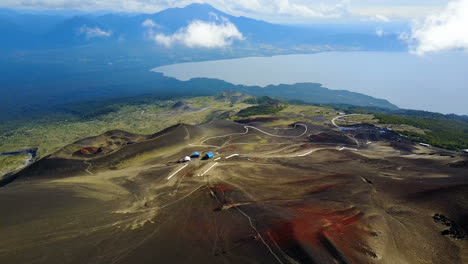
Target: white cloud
x,y
200,34
94,32
262,9
379,32
397,10
404,36
446,30
324,11
288,11
149,23
381,18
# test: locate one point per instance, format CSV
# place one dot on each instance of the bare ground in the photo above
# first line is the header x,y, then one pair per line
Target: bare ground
x,y
297,194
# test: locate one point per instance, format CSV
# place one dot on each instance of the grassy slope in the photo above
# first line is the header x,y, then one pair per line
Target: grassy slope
x,y
11,163
263,106
449,133
52,133
445,131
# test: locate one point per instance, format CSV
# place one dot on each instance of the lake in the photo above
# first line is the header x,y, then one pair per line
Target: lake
x,y
434,82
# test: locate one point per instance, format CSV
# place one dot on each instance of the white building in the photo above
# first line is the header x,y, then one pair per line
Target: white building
x,y
187,159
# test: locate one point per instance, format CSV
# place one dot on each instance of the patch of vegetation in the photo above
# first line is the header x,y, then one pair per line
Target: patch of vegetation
x,y
259,110
232,96
445,131
263,100
95,109
100,112
358,119
265,106
139,115
11,163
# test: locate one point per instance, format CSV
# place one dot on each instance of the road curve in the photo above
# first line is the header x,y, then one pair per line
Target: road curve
x,y
341,116
259,130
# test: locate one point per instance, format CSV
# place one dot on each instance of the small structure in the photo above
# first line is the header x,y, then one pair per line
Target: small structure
x,y
465,151
186,159
425,145
209,155
195,155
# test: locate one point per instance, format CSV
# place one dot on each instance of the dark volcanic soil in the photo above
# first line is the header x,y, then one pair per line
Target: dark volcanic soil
x,y
297,194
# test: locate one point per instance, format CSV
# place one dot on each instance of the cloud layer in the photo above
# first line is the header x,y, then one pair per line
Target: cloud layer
x,y
443,31
287,7
94,32
380,18
272,10
308,8
200,34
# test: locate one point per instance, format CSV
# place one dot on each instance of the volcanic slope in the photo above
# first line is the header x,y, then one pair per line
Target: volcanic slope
x,y
302,193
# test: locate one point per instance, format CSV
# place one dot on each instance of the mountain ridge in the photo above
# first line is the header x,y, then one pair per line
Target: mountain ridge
x,y
129,27
307,91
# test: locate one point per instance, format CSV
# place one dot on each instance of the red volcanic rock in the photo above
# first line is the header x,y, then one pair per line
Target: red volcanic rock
x,y
90,150
323,187
222,188
336,232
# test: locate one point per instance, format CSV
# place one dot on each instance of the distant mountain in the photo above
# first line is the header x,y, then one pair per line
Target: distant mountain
x,y
51,59
64,31
174,18
316,93
307,92
52,93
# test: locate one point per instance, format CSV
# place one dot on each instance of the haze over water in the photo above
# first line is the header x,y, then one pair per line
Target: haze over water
x,y
433,82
